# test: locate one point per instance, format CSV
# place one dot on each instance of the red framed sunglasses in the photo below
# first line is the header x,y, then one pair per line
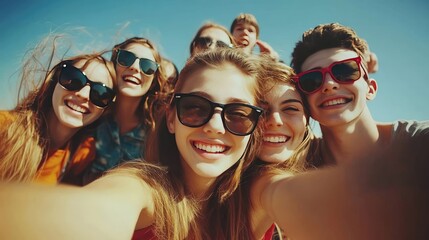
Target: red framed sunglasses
x,y
345,71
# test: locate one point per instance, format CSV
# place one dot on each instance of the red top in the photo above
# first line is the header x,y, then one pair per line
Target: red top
x,y
149,234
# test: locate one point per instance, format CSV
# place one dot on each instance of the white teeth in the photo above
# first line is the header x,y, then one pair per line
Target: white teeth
x,y
131,79
210,148
77,108
334,102
275,139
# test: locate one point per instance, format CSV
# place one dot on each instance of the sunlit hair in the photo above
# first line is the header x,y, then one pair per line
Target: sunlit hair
x,y
324,36
24,144
245,18
147,112
178,214
207,26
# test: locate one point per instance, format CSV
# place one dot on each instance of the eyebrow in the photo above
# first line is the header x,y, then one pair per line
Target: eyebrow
x,y
291,101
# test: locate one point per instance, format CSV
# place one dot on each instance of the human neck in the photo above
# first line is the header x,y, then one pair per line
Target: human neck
x,y
197,186
126,112
58,134
351,141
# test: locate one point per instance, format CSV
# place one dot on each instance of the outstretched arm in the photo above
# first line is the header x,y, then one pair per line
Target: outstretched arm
x,y
106,209
372,200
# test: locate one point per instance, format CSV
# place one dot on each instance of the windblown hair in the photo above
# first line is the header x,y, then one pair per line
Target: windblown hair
x,y
24,143
207,26
147,113
324,36
245,18
179,215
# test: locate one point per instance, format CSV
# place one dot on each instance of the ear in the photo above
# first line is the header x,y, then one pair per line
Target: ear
x,y
372,89
170,117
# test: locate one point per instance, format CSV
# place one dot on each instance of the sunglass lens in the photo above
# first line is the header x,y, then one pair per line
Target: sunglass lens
x,y
147,66
126,58
240,119
193,111
346,71
311,81
71,78
100,95
203,42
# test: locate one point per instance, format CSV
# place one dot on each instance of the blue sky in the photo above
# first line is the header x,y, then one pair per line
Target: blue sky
x,y
397,31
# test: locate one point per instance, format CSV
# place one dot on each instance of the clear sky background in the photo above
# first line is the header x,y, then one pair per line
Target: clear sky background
x,y
396,30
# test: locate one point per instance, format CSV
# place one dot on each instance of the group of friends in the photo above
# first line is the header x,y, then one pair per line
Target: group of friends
x,y
128,148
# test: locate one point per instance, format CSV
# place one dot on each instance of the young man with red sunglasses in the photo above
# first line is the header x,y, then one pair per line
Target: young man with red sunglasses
x,y
376,185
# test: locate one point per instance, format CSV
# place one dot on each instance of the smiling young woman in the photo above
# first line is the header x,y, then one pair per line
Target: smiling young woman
x,y
46,135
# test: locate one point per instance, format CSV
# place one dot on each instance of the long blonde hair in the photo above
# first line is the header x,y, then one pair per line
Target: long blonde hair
x,y
24,143
178,214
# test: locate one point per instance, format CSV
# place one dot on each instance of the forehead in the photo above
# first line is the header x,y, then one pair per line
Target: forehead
x,y
282,92
243,24
325,57
216,34
95,71
213,82
140,50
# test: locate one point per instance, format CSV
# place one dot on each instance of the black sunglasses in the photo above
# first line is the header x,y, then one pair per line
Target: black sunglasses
x,y
345,71
126,58
73,79
206,42
195,111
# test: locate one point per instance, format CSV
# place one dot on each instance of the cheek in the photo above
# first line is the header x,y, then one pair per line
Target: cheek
x,y
299,126
57,96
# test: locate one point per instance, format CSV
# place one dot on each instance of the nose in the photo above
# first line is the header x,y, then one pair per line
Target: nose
x,y
329,83
136,65
84,92
274,120
215,124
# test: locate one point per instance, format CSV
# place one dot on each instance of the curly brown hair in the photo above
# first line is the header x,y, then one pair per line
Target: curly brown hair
x,y
324,36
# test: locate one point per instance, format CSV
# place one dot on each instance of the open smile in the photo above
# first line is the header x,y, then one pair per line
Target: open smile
x,y
210,148
335,102
76,107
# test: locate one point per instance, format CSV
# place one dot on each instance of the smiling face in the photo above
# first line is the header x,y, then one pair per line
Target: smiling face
x,y
338,103
132,81
208,151
73,109
285,124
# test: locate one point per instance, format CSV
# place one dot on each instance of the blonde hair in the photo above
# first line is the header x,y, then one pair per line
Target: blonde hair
x,y
24,143
179,215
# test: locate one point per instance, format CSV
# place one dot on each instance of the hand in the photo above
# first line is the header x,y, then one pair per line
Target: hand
x,y
265,48
372,63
